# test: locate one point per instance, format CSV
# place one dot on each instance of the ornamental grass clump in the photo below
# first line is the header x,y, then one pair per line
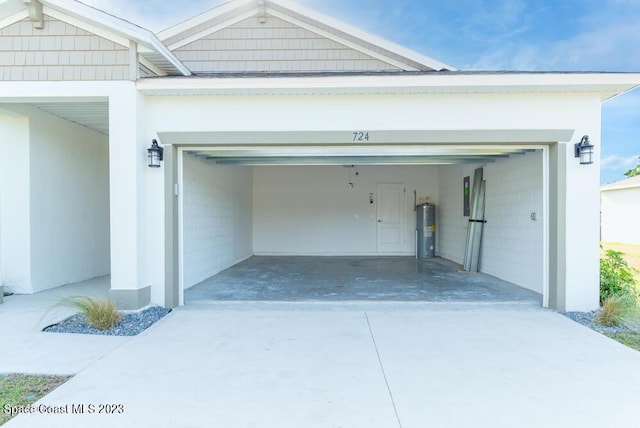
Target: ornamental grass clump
x,y
99,313
617,310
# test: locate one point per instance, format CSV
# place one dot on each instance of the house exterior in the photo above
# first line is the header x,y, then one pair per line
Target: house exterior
x,y
619,210
265,110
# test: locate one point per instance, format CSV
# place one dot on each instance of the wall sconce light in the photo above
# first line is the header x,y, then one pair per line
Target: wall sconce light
x,y
584,151
155,153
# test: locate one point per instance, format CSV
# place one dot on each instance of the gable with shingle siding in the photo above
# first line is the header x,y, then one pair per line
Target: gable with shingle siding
x,y
59,51
272,46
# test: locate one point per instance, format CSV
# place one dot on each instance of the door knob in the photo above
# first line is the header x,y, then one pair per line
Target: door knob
x,y
379,221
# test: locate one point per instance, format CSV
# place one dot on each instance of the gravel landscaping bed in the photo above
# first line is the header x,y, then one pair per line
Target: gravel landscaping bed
x,y
131,324
587,320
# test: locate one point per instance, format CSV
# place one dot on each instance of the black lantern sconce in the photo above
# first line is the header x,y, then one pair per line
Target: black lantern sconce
x,y
584,151
155,153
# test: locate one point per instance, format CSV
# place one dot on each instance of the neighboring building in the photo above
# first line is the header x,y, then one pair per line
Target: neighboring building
x,y
259,105
620,211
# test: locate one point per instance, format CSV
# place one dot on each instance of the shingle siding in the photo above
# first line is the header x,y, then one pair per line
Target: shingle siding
x,y
59,51
273,46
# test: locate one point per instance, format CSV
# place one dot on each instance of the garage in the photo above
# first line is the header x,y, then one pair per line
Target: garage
x,y
339,222
283,133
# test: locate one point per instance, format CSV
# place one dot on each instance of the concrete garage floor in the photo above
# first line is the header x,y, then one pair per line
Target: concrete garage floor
x,y
328,279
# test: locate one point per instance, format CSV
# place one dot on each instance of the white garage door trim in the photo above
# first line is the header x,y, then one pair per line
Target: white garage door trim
x,y
176,152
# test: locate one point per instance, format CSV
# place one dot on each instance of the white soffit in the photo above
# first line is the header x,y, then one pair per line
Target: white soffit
x,y
607,85
93,115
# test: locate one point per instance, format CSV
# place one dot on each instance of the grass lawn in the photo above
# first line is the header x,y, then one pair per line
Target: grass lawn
x,y
631,339
24,390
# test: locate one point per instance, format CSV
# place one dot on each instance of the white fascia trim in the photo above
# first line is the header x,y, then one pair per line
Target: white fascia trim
x,y
52,91
110,27
10,20
363,35
617,189
213,29
603,84
201,19
162,49
338,39
619,186
83,25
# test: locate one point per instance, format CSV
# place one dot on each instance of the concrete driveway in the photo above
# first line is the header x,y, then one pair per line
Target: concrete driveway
x,y
351,365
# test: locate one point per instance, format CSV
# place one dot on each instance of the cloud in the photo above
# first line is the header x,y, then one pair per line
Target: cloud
x,y
154,15
619,163
499,20
598,38
611,47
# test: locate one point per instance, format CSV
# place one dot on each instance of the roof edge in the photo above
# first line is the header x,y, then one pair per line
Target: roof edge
x,y
605,85
365,36
118,25
627,183
315,19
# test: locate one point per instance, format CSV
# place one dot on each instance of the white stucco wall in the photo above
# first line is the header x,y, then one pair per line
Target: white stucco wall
x,y
578,111
619,215
69,178
305,210
55,201
15,241
217,226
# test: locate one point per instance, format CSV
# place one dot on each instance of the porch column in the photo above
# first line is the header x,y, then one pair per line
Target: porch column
x,y
126,167
574,229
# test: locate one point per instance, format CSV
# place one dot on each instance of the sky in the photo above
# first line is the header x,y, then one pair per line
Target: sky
x,y
516,35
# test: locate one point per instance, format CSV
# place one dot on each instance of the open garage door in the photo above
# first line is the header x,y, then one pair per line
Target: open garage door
x,y
237,201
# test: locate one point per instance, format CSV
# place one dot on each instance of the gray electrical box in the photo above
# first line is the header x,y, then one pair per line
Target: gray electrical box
x,y
425,231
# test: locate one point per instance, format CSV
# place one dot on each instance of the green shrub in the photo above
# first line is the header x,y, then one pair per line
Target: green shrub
x,y
616,277
99,313
617,310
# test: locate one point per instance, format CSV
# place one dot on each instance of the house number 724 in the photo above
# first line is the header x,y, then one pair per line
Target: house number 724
x,y
361,136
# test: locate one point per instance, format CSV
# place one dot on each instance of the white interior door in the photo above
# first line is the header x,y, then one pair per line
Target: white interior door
x,y
392,218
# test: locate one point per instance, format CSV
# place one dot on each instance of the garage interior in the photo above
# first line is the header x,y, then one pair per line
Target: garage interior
x,y
339,223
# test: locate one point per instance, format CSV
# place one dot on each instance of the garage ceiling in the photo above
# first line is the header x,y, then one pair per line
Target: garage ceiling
x,y
355,155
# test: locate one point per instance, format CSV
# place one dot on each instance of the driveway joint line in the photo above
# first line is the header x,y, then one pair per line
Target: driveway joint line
x,y
384,374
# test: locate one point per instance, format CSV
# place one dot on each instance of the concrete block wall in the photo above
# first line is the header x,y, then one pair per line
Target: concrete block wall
x,y
217,207
452,225
309,210
512,243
